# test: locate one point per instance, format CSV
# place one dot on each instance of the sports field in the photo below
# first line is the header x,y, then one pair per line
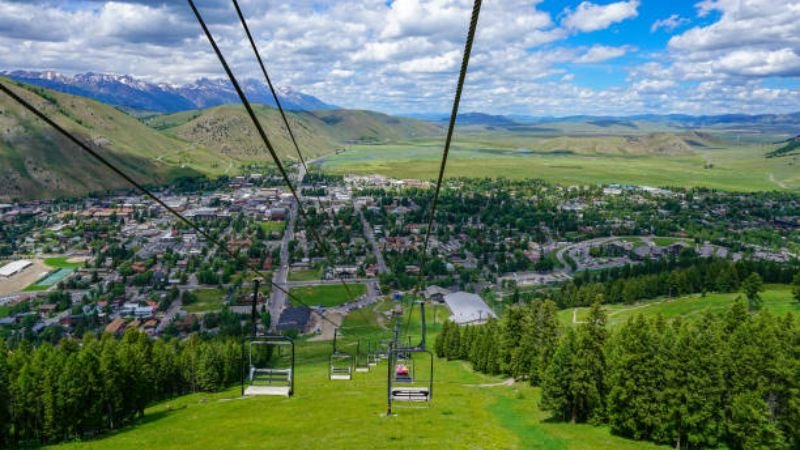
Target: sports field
x,y
328,295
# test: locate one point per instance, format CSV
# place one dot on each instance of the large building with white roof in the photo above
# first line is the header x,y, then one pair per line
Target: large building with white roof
x,y
468,308
14,268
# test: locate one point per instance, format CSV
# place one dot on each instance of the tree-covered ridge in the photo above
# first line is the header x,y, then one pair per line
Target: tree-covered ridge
x,y
731,380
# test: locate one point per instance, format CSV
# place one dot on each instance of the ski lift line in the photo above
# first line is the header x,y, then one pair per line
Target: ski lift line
x,y
248,107
473,25
42,116
269,81
274,93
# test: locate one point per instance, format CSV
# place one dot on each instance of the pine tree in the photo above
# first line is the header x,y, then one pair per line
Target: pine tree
x,y
548,332
441,340
695,386
5,399
796,287
557,395
636,377
757,384
588,387
511,335
752,287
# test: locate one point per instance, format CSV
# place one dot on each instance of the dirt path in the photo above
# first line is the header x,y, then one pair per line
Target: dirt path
x,y
326,327
508,382
774,180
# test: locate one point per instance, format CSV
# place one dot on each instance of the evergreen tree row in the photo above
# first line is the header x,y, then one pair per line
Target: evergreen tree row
x,y
730,379
82,388
668,278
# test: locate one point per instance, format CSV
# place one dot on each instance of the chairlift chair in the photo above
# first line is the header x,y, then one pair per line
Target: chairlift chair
x,y
372,355
405,388
263,375
362,364
340,363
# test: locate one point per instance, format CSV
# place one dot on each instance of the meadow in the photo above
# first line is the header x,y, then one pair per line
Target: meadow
x,y
305,275
207,300
468,411
735,167
777,299
327,295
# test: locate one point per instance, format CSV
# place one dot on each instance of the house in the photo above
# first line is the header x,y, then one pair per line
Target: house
x,y
435,293
116,327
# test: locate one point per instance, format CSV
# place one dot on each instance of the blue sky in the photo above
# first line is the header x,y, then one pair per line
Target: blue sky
x,y
539,57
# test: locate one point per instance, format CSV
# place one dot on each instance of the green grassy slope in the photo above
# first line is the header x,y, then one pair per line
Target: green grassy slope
x,y
230,131
36,161
777,299
467,412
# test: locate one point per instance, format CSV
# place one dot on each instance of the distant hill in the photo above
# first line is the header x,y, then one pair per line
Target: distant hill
x,y
790,145
780,123
37,162
228,130
637,145
129,93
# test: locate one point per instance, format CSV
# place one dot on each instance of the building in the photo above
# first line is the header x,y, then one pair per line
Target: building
x,y
468,308
294,319
435,293
116,327
14,268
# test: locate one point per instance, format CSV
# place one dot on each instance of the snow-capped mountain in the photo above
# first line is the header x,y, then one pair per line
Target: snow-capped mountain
x,y
128,92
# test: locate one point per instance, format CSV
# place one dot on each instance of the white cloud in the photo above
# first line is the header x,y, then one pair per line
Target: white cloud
x,y
404,56
669,24
600,53
591,17
751,38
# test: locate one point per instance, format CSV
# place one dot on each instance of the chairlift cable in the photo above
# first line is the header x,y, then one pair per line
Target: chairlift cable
x,y
257,53
476,10
269,81
248,107
106,162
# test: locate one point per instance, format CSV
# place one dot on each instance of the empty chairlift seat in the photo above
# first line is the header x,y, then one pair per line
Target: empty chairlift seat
x,y
270,367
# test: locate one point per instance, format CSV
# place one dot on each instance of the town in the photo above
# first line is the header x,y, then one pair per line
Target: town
x,y
120,261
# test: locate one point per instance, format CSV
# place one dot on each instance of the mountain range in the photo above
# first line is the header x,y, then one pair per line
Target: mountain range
x,y
789,123
139,96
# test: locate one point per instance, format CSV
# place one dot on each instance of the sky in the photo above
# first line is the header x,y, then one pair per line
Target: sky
x,y
530,57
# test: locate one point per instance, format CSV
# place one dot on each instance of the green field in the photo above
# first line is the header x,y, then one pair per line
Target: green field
x,y
665,241
328,295
61,263
305,275
271,226
777,299
736,168
351,414
207,300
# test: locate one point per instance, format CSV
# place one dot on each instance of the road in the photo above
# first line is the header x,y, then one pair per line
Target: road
x,y
169,315
329,282
277,301
375,249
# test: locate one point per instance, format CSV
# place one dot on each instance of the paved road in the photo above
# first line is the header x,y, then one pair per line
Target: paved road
x,y
375,249
329,282
170,315
277,301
